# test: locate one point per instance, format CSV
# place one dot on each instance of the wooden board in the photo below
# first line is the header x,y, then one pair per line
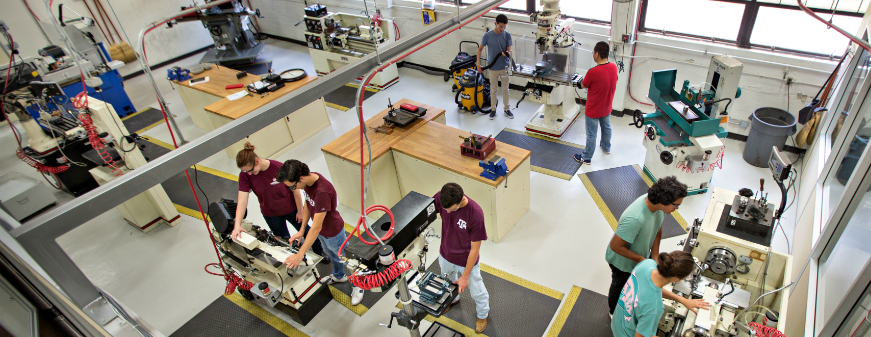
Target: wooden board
x,y
439,145
244,105
347,146
219,78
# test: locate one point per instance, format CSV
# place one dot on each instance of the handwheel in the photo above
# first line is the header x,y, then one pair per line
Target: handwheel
x,y
637,119
666,157
246,294
651,134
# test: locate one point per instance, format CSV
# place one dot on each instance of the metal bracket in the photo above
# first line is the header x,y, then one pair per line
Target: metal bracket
x,y
100,311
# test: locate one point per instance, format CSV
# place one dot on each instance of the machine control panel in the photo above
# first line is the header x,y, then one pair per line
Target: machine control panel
x,y
779,165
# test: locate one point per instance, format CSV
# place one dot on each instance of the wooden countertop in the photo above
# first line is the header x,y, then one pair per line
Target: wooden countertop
x,y
219,77
347,146
439,145
244,105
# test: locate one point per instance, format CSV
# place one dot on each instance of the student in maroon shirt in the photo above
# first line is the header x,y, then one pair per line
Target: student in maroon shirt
x,y
278,204
462,233
601,83
327,224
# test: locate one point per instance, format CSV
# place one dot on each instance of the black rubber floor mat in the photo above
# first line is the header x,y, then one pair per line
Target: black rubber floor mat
x,y
143,120
515,310
235,316
258,68
214,185
344,97
617,188
551,157
584,313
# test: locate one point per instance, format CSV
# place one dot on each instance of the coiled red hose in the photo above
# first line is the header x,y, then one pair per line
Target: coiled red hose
x,y
97,143
764,331
42,168
367,282
234,282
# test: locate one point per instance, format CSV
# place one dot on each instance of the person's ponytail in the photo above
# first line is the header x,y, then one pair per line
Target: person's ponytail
x,y
678,264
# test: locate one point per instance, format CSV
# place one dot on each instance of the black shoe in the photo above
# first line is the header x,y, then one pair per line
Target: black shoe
x,y
493,114
509,114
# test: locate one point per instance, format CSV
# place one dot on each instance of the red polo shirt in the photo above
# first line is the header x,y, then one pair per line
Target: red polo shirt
x,y
601,82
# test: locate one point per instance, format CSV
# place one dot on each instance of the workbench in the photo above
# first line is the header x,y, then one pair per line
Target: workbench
x,y
423,157
210,109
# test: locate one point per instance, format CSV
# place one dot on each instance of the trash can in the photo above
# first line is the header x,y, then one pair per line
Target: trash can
x,y
768,127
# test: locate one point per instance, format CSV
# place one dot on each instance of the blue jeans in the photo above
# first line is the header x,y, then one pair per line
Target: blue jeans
x,y
331,247
278,226
592,130
476,285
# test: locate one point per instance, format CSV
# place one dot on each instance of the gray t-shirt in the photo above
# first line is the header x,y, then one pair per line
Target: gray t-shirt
x,y
496,44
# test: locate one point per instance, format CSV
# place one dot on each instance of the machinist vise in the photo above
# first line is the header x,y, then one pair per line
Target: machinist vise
x,y
494,168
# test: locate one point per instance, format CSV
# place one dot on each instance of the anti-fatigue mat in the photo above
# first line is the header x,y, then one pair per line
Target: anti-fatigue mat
x,y
214,184
235,316
616,188
584,313
517,307
344,98
259,68
549,156
143,120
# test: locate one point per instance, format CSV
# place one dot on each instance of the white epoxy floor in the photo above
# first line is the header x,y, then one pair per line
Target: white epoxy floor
x,y
560,242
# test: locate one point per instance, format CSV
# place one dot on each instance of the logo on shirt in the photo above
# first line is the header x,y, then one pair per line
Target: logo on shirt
x,y
461,224
629,297
310,201
274,182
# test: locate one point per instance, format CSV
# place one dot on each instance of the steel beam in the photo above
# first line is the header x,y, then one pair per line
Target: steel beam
x,y
39,235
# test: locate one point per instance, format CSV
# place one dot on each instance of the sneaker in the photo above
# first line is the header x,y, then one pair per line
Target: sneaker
x,y
580,159
611,316
509,114
330,279
493,114
356,295
603,151
480,325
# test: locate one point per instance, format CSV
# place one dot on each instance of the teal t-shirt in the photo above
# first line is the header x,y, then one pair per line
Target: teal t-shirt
x,y
638,227
640,305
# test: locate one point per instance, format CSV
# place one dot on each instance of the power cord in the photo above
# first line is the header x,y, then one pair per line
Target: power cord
x,y
197,182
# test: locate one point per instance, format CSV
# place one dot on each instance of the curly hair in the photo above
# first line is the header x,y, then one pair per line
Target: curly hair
x,y
292,170
666,191
451,194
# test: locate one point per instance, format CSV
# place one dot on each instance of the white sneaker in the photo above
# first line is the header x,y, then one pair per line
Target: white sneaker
x,y
356,295
330,279
603,151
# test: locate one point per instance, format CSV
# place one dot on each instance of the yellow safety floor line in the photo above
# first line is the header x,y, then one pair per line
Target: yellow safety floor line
x,y
265,316
564,312
505,276
336,106
345,301
612,221
352,85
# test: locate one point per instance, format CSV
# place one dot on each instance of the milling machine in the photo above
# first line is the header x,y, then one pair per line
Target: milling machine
x,y
551,75
338,39
683,137
230,27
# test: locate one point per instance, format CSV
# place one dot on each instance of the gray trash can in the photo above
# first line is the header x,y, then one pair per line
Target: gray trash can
x,y
768,127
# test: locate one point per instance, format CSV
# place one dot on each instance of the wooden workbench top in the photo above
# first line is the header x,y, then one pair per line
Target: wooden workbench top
x,y
347,146
244,105
219,77
439,145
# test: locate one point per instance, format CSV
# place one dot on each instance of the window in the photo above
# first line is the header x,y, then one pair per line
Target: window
x,y
515,4
770,24
850,254
695,17
794,29
596,10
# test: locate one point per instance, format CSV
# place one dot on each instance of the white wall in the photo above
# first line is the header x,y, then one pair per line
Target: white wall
x,y
161,44
762,83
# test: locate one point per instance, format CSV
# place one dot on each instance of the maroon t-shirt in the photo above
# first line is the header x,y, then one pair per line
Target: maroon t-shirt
x,y
275,197
321,197
601,82
459,230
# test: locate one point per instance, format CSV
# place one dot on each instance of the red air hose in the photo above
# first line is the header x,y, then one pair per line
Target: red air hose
x,y
372,281
764,331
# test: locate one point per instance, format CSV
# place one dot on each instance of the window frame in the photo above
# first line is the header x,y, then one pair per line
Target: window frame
x,y
748,21
530,8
